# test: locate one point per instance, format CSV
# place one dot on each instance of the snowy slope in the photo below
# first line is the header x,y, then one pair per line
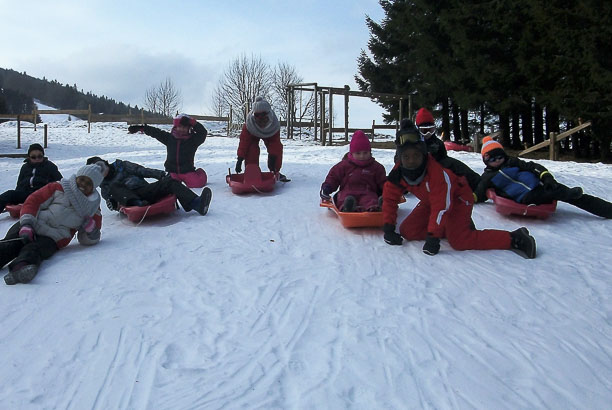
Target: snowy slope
x,y
267,302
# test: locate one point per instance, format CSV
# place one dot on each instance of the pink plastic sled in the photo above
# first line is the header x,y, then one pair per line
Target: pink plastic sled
x,y
507,206
165,205
13,210
453,146
253,180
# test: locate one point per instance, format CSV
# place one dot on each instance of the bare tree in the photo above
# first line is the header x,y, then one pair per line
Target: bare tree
x,y
283,75
164,99
220,106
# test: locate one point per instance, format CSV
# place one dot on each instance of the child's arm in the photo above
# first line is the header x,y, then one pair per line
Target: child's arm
x,y
89,232
160,135
480,194
391,197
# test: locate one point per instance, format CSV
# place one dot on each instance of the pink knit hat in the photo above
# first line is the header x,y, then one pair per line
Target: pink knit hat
x,y
360,142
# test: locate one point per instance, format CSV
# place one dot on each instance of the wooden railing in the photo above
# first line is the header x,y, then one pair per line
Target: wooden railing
x,y
554,139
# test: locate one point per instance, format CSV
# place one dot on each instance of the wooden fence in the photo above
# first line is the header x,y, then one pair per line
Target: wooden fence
x,y
552,143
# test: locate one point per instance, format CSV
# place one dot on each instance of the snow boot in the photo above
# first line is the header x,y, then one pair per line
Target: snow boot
x,y
201,203
349,204
283,178
21,274
523,243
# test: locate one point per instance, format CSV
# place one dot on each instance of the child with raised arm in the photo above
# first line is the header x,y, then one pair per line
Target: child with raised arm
x,y
359,177
445,204
181,144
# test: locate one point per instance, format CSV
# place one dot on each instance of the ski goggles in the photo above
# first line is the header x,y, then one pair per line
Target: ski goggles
x,y
427,130
411,138
36,156
260,114
488,160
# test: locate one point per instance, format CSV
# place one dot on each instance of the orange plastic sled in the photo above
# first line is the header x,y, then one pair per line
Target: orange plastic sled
x,y
13,210
253,180
507,206
355,219
165,205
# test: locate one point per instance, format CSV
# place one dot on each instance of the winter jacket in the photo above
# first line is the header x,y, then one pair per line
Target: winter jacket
x,y
248,147
439,189
180,153
513,180
36,175
436,147
50,213
129,175
356,179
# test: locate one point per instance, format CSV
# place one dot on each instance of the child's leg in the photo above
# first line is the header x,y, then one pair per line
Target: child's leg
x,y
9,246
25,266
195,179
414,227
252,156
461,236
368,201
594,205
167,186
275,148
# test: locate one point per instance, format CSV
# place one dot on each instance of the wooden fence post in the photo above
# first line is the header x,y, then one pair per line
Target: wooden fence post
x,y
373,128
89,119
346,112
45,137
34,116
552,148
142,116
331,117
322,117
229,120
316,113
401,108
18,131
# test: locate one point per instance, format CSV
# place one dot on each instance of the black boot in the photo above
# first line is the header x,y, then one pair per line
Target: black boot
x,y
523,243
594,205
349,204
201,203
21,274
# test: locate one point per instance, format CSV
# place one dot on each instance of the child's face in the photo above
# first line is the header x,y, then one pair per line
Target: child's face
x,y
261,118
411,158
36,156
495,162
85,185
362,155
182,129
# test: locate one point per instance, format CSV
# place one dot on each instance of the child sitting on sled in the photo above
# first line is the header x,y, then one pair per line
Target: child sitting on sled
x,y
181,144
527,182
445,206
49,219
359,176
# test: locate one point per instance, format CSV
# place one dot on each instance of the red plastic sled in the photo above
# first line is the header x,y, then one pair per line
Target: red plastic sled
x,y
165,205
453,146
356,219
253,180
14,210
507,206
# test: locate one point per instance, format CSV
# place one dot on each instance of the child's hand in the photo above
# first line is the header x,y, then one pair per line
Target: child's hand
x,y
89,225
26,232
392,237
132,129
432,245
325,193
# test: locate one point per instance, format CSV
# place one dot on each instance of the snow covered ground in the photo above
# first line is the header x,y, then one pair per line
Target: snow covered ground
x,y
267,302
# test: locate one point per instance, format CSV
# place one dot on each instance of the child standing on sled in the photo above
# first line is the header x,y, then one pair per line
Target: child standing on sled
x,y
445,206
181,144
49,219
527,182
359,176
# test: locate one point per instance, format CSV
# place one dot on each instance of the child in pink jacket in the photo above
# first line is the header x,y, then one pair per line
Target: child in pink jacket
x,y
359,176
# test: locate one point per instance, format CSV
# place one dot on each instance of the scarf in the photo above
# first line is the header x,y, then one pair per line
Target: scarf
x,y
178,136
83,205
269,130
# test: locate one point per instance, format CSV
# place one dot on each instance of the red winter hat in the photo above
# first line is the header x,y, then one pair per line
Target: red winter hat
x,y
360,142
424,117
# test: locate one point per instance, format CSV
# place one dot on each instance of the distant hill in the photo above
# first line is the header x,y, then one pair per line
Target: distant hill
x,y
18,90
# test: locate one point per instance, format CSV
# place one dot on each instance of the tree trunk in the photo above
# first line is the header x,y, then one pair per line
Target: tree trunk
x,y
527,126
538,120
456,124
465,129
445,119
516,130
504,127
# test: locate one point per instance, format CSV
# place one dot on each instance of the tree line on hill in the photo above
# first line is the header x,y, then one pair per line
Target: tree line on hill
x,y
527,66
18,90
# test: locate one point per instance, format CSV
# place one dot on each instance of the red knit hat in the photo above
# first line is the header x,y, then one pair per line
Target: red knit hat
x,y
424,117
359,142
488,145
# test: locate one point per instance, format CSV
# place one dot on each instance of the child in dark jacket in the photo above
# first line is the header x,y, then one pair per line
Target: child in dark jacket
x,y
181,144
49,219
445,206
425,122
359,176
36,172
527,182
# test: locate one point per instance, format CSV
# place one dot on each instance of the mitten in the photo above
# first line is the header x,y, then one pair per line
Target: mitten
x,y
272,163
239,165
89,225
112,204
162,174
549,181
392,237
26,232
432,245
326,191
132,129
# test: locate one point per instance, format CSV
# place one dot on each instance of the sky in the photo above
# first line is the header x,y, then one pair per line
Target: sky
x,y
122,48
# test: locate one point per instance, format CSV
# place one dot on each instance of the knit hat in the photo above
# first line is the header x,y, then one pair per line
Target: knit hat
x,y
409,136
424,117
36,147
93,171
261,105
490,147
359,142
177,120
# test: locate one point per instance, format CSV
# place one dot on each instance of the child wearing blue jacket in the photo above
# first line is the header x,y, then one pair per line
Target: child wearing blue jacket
x,y
530,183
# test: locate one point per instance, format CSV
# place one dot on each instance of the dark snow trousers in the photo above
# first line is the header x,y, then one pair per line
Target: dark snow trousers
x,y
32,253
12,197
589,203
154,192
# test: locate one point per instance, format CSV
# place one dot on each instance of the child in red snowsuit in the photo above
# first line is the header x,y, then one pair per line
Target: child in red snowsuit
x,y
359,176
445,206
261,124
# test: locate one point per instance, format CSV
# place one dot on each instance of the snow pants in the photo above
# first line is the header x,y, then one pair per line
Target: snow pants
x,y
364,201
154,192
589,203
12,197
194,179
274,147
32,253
458,231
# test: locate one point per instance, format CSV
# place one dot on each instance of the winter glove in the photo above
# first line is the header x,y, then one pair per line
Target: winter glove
x,y
239,165
326,191
162,174
132,129
26,233
432,245
94,235
112,204
89,225
187,122
392,237
272,163
549,181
